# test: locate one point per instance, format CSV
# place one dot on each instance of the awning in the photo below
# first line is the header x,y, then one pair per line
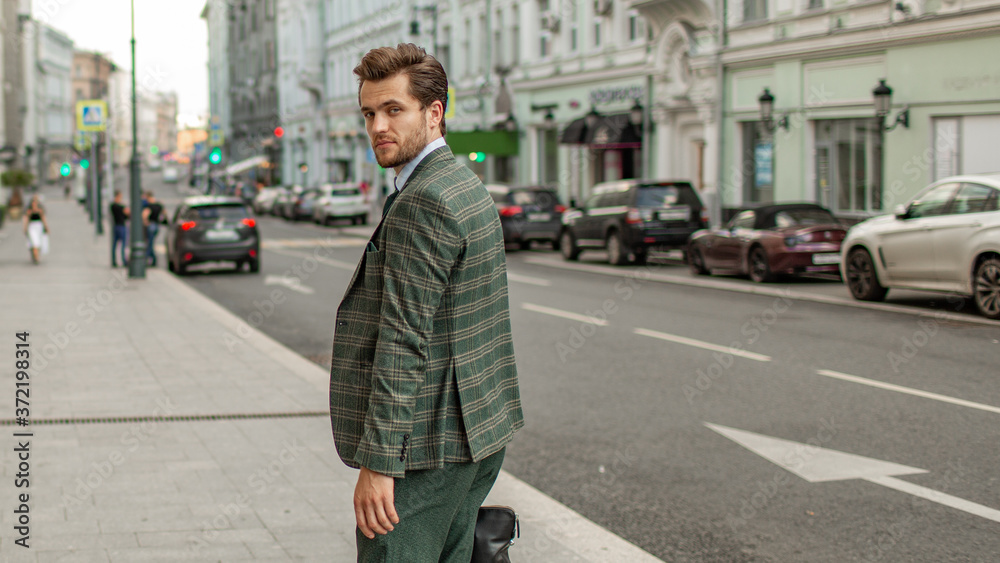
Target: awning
x,y
611,132
499,143
245,165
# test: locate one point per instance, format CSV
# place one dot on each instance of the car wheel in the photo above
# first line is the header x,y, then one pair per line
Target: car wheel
x,y
641,258
363,219
170,264
987,288
760,269
862,279
567,246
254,265
524,245
617,253
180,269
697,262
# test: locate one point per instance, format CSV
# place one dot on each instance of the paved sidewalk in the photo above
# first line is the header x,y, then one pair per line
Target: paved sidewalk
x,y
166,429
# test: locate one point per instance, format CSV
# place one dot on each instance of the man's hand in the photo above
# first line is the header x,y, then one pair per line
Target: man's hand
x,y
373,503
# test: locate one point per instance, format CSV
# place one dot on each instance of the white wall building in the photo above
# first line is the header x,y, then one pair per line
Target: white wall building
x,y
301,92
216,15
50,108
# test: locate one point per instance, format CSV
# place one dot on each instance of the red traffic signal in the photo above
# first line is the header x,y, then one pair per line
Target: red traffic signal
x,y
279,132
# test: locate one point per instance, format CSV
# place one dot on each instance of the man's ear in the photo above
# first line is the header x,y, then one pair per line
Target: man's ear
x,y
436,114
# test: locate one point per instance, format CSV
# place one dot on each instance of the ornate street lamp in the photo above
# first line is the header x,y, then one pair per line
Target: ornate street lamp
x,y
766,101
591,118
635,113
883,104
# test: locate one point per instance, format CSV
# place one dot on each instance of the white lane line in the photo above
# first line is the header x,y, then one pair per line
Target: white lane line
x,y
320,259
908,390
563,314
527,279
701,344
936,496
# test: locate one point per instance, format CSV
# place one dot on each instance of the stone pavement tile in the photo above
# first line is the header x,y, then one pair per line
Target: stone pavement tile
x,y
324,546
199,539
145,519
55,540
74,556
219,552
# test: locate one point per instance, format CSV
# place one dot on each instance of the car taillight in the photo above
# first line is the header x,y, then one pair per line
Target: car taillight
x,y
704,217
560,208
249,222
511,211
188,225
633,217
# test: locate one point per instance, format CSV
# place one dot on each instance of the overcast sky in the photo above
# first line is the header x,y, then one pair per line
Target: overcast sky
x,y
171,41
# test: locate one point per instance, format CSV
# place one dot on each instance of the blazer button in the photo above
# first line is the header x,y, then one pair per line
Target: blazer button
x,y
402,458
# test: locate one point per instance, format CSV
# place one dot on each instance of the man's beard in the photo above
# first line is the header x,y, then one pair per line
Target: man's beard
x,y
408,149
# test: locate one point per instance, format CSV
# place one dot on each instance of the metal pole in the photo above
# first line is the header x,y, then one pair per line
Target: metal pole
x,y
98,213
93,183
137,264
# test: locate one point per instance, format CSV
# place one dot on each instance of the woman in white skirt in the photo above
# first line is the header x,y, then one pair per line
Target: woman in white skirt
x,y
36,228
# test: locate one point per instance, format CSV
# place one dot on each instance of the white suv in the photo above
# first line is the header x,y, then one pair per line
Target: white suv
x,y
340,201
947,239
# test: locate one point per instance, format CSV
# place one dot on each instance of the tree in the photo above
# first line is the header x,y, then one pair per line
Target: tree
x,y
16,179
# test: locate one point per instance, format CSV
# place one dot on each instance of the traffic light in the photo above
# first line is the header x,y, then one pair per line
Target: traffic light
x,y
279,132
65,169
154,149
84,163
477,156
215,156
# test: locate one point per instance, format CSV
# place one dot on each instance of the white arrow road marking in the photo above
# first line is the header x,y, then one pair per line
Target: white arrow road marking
x,y
564,314
816,464
291,283
527,279
703,345
908,391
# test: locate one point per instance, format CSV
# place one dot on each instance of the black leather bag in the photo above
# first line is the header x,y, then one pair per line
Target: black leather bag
x,y
496,527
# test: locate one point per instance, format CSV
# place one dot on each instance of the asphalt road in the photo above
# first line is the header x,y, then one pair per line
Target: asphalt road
x,y
618,409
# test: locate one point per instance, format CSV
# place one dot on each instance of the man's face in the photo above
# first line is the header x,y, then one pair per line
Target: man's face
x,y
397,127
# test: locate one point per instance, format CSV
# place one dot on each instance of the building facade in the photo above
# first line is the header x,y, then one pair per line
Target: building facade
x,y
253,88
50,111
821,61
301,92
217,14
12,18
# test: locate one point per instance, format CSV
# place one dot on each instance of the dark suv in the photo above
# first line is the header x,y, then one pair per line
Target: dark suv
x,y
629,217
528,213
212,228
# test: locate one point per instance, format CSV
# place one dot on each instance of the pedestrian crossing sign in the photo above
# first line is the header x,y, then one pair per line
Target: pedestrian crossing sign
x,y
216,138
91,115
81,141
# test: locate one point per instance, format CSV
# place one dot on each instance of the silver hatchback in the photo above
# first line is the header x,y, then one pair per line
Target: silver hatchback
x,y
946,239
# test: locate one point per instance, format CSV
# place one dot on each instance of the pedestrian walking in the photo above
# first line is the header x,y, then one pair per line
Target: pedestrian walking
x,y
423,387
36,229
152,216
119,215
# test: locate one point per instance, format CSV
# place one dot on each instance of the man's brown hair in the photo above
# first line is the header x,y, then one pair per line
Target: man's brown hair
x,y
428,81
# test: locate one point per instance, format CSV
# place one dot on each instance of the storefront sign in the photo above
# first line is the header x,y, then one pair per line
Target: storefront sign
x,y
618,94
763,155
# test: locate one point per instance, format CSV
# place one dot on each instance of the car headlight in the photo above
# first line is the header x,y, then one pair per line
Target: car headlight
x,y
791,241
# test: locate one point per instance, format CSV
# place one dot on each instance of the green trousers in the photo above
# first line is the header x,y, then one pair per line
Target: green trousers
x,y
437,514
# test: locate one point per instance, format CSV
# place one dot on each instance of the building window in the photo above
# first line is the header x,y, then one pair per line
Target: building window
x,y
543,45
515,40
444,50
270,55
253,17
467,55
814,5
754,10
758,163
484,35
849,164
633,28
573,38
269,9
597,34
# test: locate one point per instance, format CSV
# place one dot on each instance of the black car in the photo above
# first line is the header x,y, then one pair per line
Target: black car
x,y
528,213
630,217
212,228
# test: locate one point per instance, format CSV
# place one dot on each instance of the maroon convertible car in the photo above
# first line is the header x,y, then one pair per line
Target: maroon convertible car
x,y
766,241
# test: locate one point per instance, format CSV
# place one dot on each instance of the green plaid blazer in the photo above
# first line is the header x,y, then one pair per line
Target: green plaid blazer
x,y
423,361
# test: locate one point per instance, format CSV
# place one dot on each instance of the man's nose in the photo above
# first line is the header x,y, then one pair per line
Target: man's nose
x,y
380,123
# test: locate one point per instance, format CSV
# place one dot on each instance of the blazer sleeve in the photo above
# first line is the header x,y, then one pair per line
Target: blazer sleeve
x,y
421,245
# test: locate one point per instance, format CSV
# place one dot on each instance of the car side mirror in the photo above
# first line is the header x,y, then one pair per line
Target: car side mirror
x,y
901,212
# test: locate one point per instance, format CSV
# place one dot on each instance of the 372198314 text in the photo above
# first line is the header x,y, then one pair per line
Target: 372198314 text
x,y
22,438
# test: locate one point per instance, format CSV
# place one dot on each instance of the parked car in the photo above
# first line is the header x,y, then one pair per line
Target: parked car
x,y
285,200
341,201
630,217
264,200
171,175
946,239
528,213
770,240
301,206
209,229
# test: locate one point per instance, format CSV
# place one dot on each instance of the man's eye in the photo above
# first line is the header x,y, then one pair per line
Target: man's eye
x,y
394,110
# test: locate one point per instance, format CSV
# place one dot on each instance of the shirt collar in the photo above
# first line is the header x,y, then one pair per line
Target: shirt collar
x,y
407,170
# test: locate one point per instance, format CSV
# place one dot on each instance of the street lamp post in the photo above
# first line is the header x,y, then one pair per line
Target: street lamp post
x,y
137,262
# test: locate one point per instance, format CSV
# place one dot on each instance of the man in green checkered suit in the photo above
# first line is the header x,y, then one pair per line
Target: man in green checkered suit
x,y
423,387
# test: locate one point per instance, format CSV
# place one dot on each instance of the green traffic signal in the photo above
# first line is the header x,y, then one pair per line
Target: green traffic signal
x,y
215,156
154,149
65,169
84,163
